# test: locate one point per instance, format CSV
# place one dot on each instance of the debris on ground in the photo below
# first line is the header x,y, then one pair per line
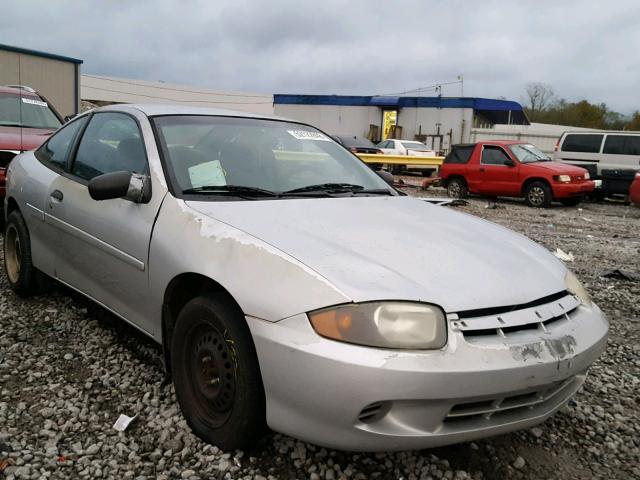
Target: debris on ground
x,y
564,256
123,422
621,275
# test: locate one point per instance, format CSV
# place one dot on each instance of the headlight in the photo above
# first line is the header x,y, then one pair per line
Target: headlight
x,y
562,178
402,325
575,287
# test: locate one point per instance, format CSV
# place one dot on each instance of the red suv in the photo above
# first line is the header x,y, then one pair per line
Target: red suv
x,y
26,120
634,190
513,169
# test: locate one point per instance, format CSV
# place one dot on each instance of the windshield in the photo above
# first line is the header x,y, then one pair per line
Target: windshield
x,y
527,153
416,146
27,112
208,154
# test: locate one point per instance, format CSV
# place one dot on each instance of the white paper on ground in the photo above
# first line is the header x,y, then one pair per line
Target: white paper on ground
x,y
123,422
564,256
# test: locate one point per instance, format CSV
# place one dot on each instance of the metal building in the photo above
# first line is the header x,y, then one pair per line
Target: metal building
x,y
54,76
438,121
104,90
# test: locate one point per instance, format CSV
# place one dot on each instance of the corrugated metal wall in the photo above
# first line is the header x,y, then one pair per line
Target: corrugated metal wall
x,y
55,79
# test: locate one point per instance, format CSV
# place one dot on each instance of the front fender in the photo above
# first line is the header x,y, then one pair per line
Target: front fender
x,y
266,282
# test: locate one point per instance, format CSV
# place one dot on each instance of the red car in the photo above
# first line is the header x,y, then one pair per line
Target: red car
x,y
26,120
513,169
634,190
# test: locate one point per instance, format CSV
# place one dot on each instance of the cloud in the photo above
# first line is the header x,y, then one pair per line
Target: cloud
x,y
358,47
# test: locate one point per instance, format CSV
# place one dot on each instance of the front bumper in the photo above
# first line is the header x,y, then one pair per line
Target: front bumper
x,y
568,190
368,399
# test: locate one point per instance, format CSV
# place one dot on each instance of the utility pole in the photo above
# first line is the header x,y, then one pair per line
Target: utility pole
x,y
461,78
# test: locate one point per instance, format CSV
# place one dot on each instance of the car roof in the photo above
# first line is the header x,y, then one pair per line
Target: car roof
x,y
502,143
18,91
157,109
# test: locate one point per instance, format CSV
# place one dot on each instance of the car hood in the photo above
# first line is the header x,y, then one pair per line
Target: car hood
x,y
375,248
12,139
557,168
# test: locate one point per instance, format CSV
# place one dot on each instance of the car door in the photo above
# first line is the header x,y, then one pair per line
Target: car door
x,y
495,176
104,244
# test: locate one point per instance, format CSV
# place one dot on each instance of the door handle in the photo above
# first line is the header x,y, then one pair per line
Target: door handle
x,y
57,195
482,169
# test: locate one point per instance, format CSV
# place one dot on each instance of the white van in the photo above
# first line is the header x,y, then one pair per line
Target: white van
x,y
597,151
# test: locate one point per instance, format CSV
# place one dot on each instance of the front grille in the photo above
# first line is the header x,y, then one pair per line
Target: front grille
x,y
540,316
5,158
494,408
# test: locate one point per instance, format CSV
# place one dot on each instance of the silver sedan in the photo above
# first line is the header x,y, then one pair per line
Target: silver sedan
x,y
291,286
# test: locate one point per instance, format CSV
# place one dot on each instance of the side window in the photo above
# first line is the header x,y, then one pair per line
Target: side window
x,y
111,143
622,145
460,154
582,143
56,149
494,156
632,145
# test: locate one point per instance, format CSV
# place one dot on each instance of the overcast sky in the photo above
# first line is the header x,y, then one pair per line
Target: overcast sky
x,y
584,49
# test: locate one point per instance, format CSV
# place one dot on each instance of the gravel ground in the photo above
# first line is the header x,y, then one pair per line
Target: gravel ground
x,y
67,370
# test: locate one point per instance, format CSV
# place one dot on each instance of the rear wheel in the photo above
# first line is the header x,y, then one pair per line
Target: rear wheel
x,y
23,277
571,202
457,188
216,373
538,195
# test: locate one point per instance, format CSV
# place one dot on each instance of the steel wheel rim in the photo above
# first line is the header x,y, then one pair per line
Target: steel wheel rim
x,y
212,374
454,189
12,253
536,195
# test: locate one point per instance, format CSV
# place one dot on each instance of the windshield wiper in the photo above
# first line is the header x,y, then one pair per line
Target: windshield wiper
x,y
231,189
338,188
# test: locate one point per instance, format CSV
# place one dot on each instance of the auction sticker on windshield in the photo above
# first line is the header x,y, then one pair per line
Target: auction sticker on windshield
x,y
34,102
207,174
307,135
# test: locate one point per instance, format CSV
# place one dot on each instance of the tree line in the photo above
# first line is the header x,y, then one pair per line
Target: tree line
x,y
544,107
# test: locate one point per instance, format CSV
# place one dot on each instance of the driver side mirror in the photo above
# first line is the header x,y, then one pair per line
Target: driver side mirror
x,y
509,163
386,176
130,186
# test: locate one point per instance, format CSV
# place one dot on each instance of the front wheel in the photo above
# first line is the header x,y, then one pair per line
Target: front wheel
x,y
571,202
538,195
22,275
216,373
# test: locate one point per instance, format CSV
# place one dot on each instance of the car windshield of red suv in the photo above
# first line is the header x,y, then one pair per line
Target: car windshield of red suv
x,y
527,153
26,112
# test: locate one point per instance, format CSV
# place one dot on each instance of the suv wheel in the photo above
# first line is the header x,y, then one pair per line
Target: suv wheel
x,y
538,195
216,373
457,188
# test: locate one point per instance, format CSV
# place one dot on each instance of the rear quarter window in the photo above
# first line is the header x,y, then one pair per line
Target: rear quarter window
x,y
459,154
582,143
622,145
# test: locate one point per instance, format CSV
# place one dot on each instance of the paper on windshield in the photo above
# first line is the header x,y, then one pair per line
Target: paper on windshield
x,y
34,102
307,135
207,174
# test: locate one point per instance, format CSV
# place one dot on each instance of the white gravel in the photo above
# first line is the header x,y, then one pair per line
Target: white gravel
x,y
68,370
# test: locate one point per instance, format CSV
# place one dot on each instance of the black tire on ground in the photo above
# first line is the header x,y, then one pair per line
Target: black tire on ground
x,y
216,373
396,169
457,188
538,195
571,202
24,278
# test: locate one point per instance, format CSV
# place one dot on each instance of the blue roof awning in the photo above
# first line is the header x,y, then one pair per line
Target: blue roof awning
x,y
382,101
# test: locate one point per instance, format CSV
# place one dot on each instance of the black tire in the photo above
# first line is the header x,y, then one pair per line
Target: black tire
x,y
216,373
538,195
23,277
457,188
571,202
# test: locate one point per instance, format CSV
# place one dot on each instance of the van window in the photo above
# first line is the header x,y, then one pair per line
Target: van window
x,y
589,143
622,145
